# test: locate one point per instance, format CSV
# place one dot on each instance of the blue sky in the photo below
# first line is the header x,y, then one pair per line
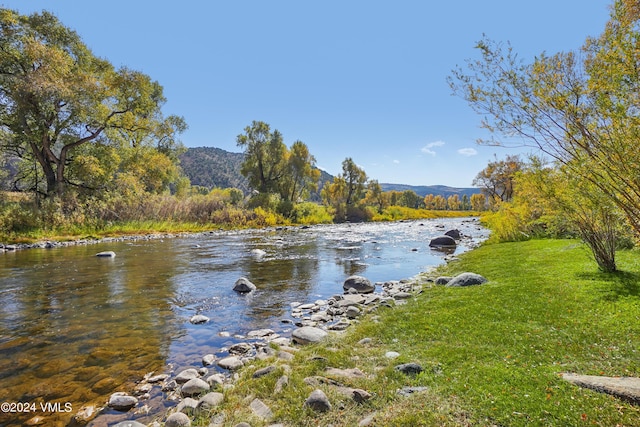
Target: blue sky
x,y
359,79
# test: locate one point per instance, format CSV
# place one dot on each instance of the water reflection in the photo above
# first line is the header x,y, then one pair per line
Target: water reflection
x,y
74,328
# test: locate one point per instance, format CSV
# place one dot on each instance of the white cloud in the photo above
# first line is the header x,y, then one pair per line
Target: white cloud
x,y
427,149
468,152
396,161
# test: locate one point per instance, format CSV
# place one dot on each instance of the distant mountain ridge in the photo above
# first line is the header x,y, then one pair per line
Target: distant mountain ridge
x,y
214,167
436,190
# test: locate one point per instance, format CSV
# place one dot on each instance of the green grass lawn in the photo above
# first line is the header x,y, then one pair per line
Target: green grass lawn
x,y
492,354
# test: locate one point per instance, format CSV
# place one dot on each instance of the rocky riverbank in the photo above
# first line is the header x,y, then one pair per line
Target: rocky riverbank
x,y
196,392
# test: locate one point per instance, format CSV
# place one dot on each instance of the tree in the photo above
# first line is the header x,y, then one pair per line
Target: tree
x,y
579,108
56,97
453,202
346,190
496,180
375,196
355,179
265,160
439,203
478,202
302,175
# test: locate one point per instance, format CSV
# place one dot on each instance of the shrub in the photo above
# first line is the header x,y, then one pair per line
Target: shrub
x,y
310,213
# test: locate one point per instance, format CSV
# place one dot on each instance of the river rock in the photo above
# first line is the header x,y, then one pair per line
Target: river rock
x,y
240,348
244,285
352,312
186,375
121,401
208,359
456,234
199,319
258,253
260,333
409,368
231,363
318,401
360,284
308,335
443,242
106,254
187,406
129,423
194,387
177,419
210,401
264,371
443,280
466,279
261,410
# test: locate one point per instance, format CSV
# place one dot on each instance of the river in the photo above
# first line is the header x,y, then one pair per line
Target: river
x,y
75,327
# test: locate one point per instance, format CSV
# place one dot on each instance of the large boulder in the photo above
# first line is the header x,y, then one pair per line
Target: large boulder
x,y
244,285
443,242
466,279
360,284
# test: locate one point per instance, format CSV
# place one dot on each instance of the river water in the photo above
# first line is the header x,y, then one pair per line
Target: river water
x,y
75,327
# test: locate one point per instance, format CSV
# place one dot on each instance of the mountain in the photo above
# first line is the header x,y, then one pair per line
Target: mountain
x,y
214,167
423,190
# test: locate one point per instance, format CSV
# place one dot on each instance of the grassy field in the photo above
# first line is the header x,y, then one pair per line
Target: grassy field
x,y
492,354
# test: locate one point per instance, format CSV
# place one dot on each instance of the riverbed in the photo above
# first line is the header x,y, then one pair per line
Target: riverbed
x,y
75,327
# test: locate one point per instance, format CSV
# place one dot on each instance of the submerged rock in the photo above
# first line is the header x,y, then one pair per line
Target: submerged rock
x,y
106,254
244,285
121,401
199,319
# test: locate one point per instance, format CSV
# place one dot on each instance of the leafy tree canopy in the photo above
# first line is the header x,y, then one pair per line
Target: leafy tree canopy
x,y
57,98
579,108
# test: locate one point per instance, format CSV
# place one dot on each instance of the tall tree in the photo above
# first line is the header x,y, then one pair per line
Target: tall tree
x,y
56,96
355,179
265,161
580,108
302,175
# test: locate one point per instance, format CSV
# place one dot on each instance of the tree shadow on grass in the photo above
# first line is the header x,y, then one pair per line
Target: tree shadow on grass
x,y
616,285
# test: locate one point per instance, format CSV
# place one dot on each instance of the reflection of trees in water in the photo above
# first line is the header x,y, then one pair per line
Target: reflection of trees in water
x,y
287,273
351,257
81,326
